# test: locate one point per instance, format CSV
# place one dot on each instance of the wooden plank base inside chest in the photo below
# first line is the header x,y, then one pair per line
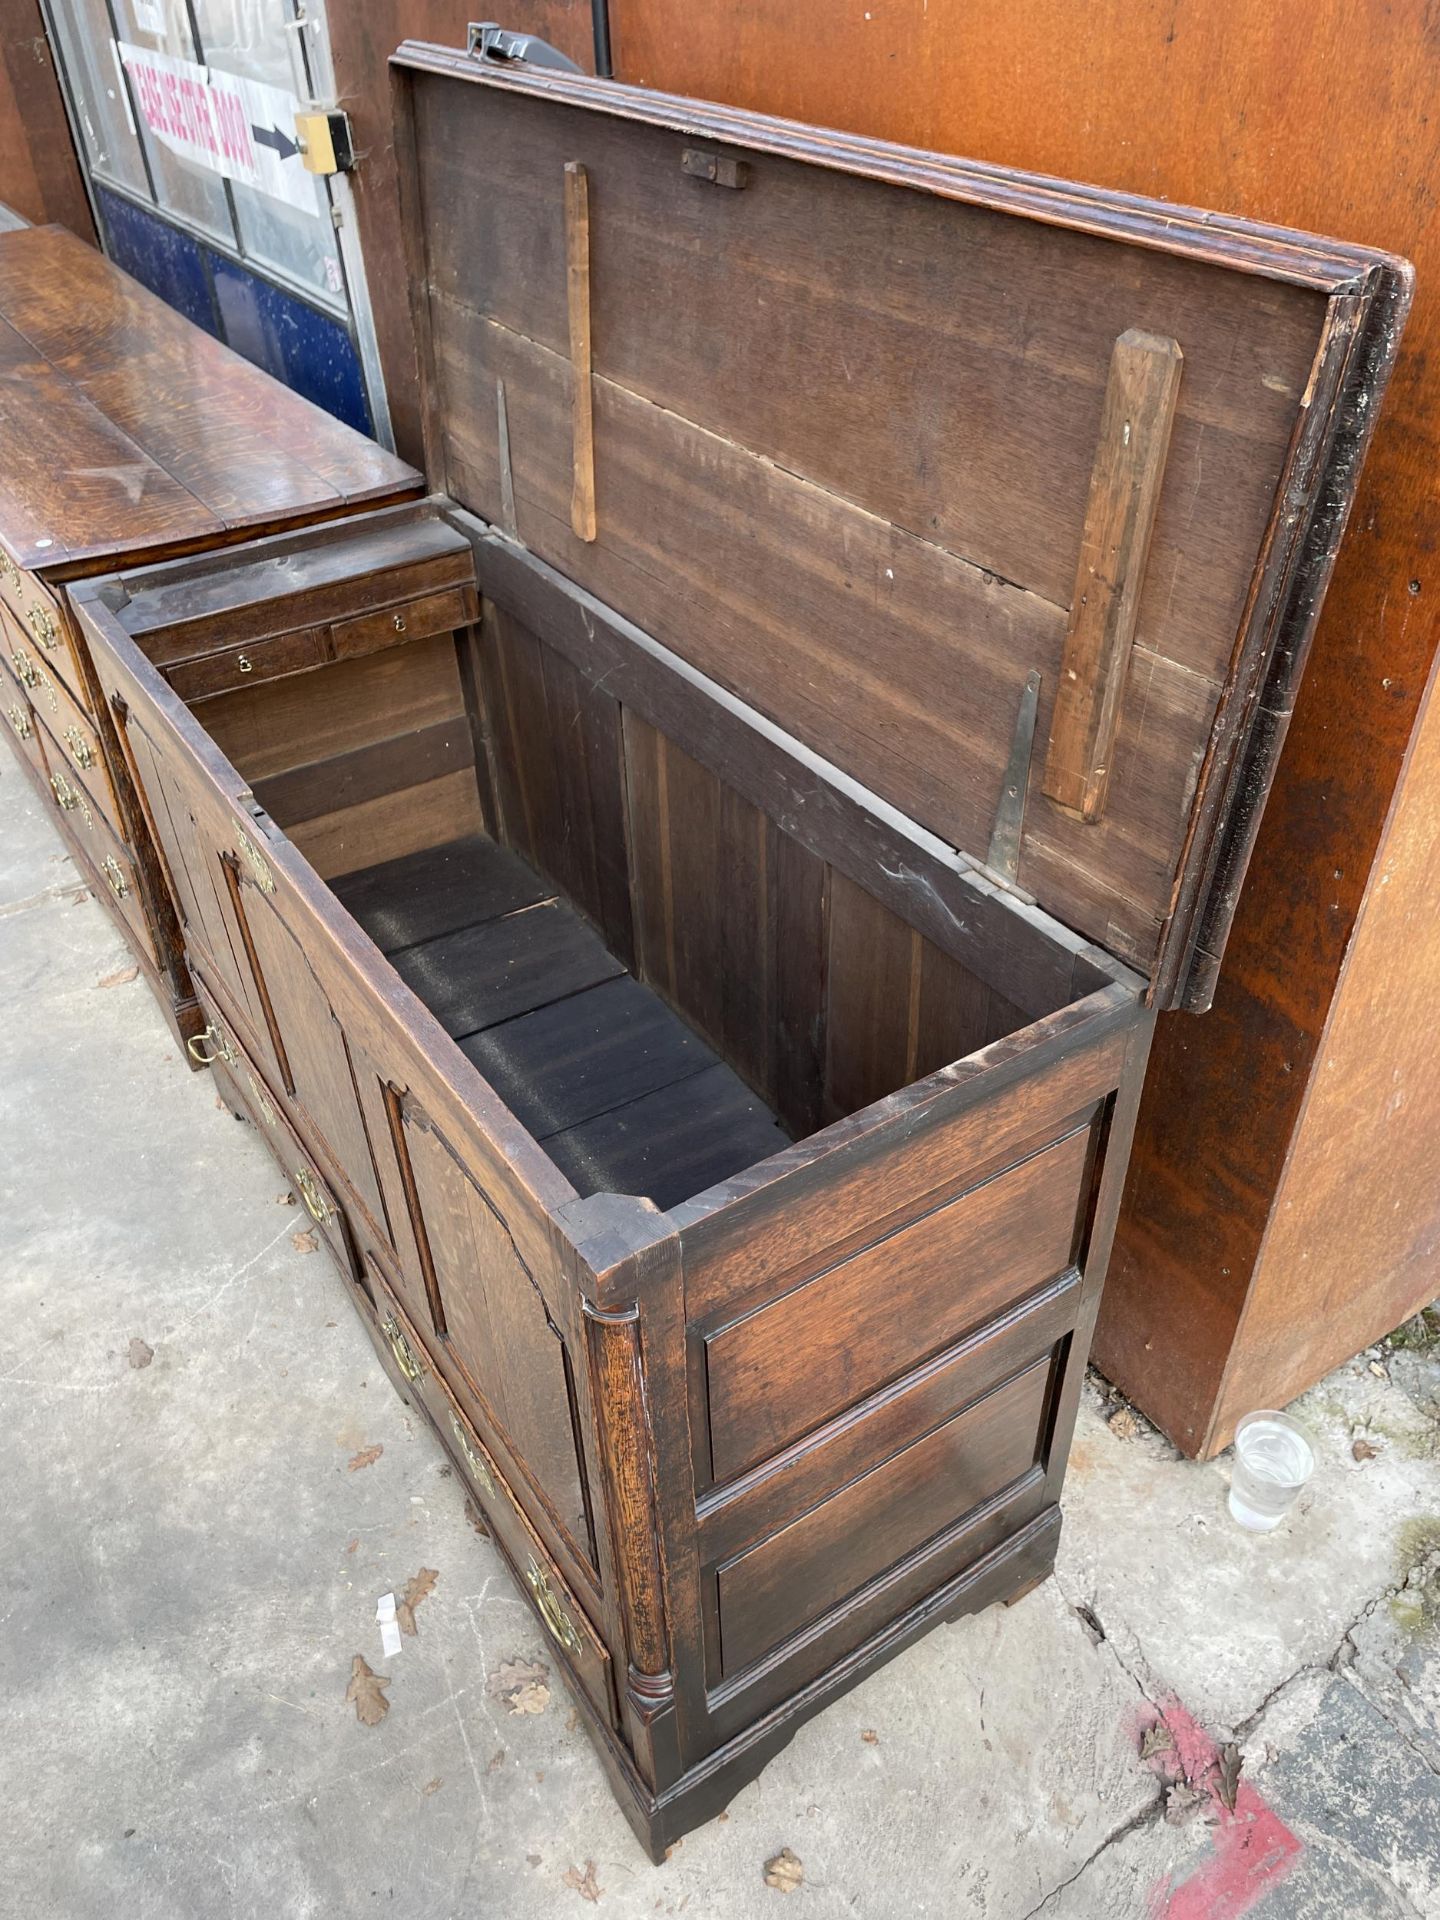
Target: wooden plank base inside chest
x,y
727,1173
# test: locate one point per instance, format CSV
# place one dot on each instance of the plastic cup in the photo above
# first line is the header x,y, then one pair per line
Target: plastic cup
x,y
1274,1457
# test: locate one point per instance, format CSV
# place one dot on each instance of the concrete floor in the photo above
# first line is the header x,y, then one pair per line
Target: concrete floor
x,y
193,1556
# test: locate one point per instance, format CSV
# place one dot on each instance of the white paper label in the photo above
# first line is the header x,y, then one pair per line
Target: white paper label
x,y
242,129
149,16
390,1642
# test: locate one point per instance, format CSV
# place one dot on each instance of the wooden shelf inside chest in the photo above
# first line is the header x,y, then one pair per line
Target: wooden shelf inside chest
x,y
622,1094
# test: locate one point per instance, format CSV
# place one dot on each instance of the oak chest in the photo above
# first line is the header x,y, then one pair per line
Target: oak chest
x,y
127,434
692,930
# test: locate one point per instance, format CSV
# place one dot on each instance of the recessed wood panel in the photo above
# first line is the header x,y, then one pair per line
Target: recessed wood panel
x,y
812,1565
954,1269
493,1321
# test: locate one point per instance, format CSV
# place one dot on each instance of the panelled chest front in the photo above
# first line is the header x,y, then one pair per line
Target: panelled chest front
x,y
127,434
691,928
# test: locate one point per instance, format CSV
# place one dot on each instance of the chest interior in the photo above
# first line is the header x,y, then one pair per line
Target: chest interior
x,y
667,974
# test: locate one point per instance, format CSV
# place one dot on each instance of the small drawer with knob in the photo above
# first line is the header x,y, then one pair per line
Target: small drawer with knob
x,y
248,665
432,613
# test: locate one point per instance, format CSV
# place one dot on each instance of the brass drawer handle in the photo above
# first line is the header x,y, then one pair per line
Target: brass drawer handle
x,y
9,570
399,623
42,625
20,722
402,1349
81,751
114,877
212,1036
473,1460
244,663
68,799
561,1626
316,1205
26,671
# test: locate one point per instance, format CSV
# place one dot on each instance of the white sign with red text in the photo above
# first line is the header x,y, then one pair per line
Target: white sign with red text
x,y
240,128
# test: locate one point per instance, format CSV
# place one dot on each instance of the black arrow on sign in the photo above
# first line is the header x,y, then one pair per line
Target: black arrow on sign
x,y
284,147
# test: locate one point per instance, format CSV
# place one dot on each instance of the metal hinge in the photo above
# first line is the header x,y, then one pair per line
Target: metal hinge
x,y
1003,858
487,40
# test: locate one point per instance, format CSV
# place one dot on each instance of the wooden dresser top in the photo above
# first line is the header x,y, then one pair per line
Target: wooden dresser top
x,y
127,434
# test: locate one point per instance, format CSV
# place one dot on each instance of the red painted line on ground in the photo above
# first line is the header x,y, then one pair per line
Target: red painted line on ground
x,y
1251,1849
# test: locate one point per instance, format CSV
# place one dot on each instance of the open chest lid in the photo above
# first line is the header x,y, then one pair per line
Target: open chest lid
x,y
1013,499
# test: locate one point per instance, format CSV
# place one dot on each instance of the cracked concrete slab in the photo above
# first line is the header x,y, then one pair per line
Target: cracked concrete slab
x,y
195,1550
1198,1608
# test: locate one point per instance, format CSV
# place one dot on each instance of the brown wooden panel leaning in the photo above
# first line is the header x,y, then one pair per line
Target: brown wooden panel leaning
x,y
1135,425
781,1585
958,1266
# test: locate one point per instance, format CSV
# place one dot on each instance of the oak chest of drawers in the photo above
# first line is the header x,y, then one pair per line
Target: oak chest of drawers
x,y
687,904
127,434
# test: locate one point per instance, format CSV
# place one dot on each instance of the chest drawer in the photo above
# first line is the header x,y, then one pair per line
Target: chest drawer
x,y
413,620
244,666
31,617
565,1620
37,679
75,749
20,722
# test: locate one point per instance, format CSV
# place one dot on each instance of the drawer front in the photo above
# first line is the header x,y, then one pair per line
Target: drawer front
x,y
220,1048
109,868
569,1628
21,722
32,617
244,666
42,685
75,748
869,1318
411,620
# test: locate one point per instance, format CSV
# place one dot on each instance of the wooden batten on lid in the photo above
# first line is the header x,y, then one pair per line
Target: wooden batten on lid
x,y
1014,501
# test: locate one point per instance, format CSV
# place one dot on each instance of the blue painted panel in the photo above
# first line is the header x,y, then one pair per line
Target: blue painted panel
x,y
306,349
161,257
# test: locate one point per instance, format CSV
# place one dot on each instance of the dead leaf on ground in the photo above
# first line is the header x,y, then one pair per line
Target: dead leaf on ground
x,y
583,1883
365,1689
1228,1771
572,1720
523,1685
432,1786
1157,1739
352,1546
784,1872
476,1519
419,1587
870,1736
1124,1425
1364,1449
304,1242
1182,1803
139,1355
496,1761
120,979
286,1199
366,1457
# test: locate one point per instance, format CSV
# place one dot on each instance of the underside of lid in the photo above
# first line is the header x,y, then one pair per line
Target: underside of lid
x,y
1016,500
